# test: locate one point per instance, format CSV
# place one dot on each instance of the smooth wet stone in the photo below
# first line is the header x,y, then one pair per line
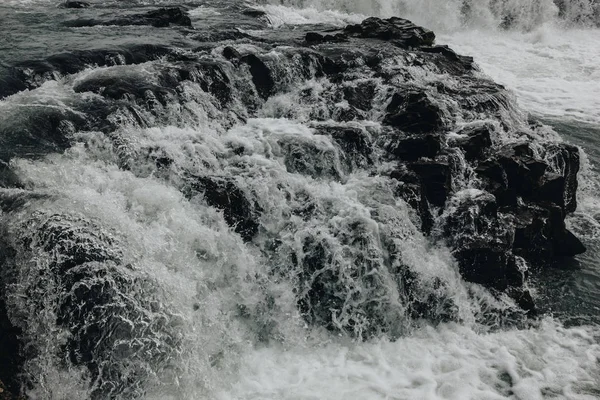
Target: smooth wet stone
x,y
414,147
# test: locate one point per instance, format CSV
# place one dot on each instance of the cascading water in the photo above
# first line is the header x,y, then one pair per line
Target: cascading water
x,y
214,213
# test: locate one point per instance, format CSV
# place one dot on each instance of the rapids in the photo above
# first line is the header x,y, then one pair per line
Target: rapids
x,y
161,206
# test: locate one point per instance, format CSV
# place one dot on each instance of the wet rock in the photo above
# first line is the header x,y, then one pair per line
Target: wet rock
x,y
360,95
412,111
160,18
475,142
413,193
491,267
75,4
412,148
239,212
541,234
466,62
261,75
513,173
481,240
566,159
355,144
231,54
401,31
254,13
436,178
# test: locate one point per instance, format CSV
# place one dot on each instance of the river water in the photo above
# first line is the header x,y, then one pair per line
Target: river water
x,y
203,273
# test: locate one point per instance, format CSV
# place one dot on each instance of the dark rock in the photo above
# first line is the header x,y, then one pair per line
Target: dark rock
x,y
414,147
361,95
261,75
254,13
413,111
75,4
413,193
401,31
465,61
551,189
566,159
541,234
239,212
566,244
231,54
481,240
475,142
491,267
355,144
160,18
436,178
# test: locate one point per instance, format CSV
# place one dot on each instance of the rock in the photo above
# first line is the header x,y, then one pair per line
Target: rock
x,y
231,54
541,234
361,95
239,212
413,111
436,178
413,193
491,267
401,31
254,13
552,189
160,18
75,4
566,159
412,148
261,75
355,144
466,62
481,240
513,173
475,142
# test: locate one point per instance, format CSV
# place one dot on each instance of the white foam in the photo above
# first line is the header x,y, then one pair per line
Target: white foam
x,y
280,15
554,72
448,362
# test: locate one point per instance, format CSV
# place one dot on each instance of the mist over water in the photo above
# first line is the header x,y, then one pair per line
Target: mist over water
x,y
210,315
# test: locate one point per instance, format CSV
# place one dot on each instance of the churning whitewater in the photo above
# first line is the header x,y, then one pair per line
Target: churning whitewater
x,y
287,200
